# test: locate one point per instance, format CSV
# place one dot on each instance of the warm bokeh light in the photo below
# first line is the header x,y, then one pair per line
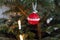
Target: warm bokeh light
x,y
21,37
19,24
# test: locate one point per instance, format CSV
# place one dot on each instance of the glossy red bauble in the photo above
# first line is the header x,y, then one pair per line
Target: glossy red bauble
x,y
33,18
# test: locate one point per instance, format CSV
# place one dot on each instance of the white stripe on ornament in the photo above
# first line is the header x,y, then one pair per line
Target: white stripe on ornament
x,y
33,19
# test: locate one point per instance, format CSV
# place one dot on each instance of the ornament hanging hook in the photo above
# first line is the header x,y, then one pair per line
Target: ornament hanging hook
x,y
34,6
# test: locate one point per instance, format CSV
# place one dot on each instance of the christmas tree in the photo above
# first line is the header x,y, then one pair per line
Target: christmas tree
x,y
48,15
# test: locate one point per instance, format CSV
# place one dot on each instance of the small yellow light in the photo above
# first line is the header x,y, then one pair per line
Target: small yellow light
x,y
19,24
21,37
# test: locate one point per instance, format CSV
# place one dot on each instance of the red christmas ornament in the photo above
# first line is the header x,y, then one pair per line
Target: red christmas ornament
x,y
33,18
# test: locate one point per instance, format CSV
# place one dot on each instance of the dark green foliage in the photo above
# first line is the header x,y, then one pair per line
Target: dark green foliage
x,y
46,9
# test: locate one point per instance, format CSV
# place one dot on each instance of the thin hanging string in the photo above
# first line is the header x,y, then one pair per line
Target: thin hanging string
x,y
34,6
21,0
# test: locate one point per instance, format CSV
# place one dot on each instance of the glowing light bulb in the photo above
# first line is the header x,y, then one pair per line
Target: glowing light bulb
x,y
19,24
21,37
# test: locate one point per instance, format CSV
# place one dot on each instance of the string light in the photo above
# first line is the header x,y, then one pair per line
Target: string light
x,y
21,37
19,24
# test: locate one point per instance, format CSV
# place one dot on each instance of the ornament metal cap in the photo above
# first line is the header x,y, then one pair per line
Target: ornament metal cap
x,y
35,11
